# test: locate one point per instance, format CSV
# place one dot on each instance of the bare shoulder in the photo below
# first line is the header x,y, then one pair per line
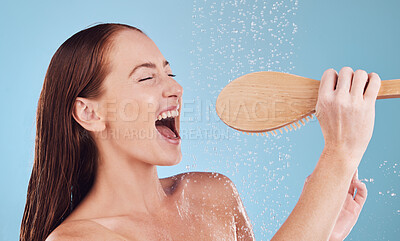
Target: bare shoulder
x,y
222,194
210,178
79,230
217,186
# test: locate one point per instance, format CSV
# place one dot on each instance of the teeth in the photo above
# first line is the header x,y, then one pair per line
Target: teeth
x,y
166,114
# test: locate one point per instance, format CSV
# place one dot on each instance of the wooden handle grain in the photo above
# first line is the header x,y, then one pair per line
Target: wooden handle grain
x,y
389,89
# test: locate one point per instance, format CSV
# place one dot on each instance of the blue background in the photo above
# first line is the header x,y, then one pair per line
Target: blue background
x,y
210,43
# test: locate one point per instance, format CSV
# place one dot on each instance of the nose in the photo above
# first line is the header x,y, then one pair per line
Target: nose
x,y
172,88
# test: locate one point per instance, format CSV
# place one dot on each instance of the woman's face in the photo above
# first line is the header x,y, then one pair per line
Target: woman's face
x,y
138,89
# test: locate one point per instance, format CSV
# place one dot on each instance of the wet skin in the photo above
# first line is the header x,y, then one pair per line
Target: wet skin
x,y
202,206
128,201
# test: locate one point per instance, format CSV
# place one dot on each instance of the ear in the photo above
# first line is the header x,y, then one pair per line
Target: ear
x,y
87,115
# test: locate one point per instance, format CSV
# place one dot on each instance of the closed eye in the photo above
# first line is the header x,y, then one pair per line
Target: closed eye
x,y
148,78
145,79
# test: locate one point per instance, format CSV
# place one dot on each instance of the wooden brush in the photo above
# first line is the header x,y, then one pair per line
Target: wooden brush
x,y
263,102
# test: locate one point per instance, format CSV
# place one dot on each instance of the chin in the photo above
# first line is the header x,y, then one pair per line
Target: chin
x,y
170,162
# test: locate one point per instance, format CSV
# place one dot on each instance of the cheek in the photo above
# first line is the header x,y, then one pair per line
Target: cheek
x,y
134,113
148,106
129,110
137,114
141,109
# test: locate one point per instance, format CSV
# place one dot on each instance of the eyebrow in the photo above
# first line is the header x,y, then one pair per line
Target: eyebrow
x,y
146,65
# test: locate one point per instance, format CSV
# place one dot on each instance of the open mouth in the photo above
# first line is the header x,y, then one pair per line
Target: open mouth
x,y
167,128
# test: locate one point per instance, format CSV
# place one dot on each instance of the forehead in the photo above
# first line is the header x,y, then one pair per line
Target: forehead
x,y
131,47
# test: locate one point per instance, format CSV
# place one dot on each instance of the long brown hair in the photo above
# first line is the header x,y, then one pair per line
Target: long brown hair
x,y
65,158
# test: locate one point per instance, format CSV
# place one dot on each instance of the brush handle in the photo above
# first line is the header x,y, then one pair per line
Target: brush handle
x,y
389,89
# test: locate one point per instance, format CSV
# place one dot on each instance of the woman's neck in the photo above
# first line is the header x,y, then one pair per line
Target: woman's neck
x,y
122,187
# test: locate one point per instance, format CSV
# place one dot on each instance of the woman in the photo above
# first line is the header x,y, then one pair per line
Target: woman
x,y
109,113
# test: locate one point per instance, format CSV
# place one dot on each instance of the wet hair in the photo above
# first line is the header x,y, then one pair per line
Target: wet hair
x,y
65,155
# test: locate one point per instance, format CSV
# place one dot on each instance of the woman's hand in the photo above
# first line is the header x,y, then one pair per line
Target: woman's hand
x,y
346,111
350,211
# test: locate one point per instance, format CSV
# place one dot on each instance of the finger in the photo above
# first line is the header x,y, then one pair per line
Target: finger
x,y
352,189
374,84
328,82
344,80
359,81
352,184
355,176
361,194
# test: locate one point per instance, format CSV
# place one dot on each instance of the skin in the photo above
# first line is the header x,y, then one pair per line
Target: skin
x,y
129,202
351,209
346,115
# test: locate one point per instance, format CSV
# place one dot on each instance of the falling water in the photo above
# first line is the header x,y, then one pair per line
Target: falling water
x,y
229,39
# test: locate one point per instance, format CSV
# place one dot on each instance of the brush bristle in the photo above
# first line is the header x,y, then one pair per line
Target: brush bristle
x,y
289,127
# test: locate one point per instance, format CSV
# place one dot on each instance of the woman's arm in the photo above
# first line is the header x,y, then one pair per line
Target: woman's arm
x,y
318,207
228,193
346,115
350,211
244,229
